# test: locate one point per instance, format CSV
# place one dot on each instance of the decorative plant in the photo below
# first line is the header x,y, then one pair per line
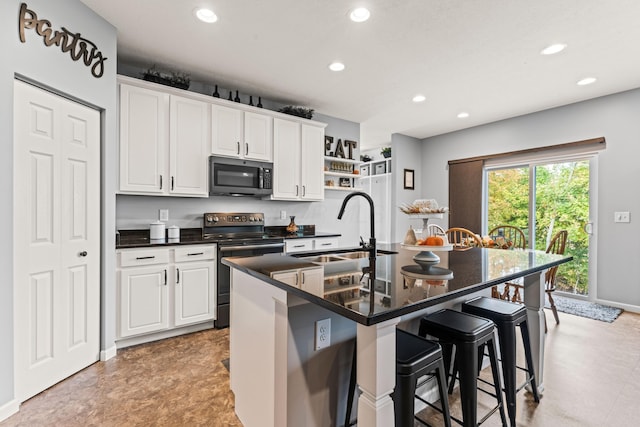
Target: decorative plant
x,y
386,151
180,80
306,113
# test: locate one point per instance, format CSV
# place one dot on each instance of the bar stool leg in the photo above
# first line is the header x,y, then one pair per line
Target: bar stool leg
x,y
444,400
524,331
352,386
496,378
468,368
405,408
507,339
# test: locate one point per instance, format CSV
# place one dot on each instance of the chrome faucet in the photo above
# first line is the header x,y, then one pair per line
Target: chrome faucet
x,y
371,247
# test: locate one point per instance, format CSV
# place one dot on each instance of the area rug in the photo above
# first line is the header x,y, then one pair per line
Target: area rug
x,y
587,309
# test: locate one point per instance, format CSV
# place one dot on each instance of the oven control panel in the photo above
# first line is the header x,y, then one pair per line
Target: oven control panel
x,y
220,219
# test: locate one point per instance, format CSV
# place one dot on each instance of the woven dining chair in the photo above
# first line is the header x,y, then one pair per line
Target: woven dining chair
x,y
510,237
556,246
462,238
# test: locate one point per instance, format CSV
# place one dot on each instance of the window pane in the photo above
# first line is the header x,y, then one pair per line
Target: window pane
x,y
508,204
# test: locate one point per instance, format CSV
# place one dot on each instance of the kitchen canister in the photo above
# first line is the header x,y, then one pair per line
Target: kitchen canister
x,y
157,230
173,232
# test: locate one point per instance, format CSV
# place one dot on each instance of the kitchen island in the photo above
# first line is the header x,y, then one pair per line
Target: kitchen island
x,y
278,377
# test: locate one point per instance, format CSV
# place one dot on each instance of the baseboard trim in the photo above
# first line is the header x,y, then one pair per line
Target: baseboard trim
x,y
141,339
108,353
8,409
625,307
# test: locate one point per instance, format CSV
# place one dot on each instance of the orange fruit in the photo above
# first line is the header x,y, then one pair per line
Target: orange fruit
x,y
434,241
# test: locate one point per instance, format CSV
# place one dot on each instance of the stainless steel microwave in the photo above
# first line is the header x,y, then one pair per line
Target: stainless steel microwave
x,y
238,177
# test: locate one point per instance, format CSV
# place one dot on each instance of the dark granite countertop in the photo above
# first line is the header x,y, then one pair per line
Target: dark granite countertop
x,y
345,293
139,238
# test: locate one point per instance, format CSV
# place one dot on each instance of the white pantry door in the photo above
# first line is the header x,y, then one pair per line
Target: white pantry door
x,y
56,238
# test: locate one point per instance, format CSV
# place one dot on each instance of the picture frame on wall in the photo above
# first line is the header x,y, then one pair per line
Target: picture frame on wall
x,y
409,179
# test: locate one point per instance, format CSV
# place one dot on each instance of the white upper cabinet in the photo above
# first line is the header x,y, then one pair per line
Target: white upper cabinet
x,y
164,143
144,138
241,134
298,161
188,147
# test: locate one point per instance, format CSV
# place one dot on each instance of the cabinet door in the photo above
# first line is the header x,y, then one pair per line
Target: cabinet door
x,y
194,292
226,131
258,137
312,280
289,277
188,147
143,140
142,294
286,160
312,163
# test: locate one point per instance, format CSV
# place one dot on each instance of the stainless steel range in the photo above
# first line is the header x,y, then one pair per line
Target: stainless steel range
x,y
237,234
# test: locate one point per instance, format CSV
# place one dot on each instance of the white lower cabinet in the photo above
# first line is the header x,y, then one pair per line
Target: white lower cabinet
x,y
311,244
309,279
163,289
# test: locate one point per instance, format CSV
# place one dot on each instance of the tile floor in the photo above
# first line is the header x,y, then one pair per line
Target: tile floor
x,y
592,378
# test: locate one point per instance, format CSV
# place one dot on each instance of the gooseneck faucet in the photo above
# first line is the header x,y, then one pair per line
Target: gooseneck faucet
x,y
371,247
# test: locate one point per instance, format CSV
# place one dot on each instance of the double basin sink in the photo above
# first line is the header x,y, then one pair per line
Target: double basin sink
x,y
343,256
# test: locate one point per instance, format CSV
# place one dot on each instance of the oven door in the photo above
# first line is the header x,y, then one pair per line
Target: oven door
x,y
224,272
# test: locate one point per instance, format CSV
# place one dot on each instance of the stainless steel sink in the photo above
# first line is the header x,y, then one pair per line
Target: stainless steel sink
x,y
323,259
354,255
341,256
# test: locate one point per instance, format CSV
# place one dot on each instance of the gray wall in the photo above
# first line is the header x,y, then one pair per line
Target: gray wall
x,y
139,211
616,118
50,67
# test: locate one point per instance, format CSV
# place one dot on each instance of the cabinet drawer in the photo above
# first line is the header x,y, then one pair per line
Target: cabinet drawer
x,y
195,253
298,245
137,257
327,243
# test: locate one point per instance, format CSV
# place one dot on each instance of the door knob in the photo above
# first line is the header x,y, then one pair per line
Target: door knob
x,y
83,253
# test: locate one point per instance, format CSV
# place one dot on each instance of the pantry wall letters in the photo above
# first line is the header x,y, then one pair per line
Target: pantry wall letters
x,y
77,46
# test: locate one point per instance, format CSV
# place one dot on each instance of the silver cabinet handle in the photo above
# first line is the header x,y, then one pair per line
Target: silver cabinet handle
x,y
83,253
246,148
303,278
304,190
165,277
171,183
145,257
325,244
238,147
297,190
177,275
161,182
196,253
298,246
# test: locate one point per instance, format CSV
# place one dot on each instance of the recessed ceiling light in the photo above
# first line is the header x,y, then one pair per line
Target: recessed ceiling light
x,y
336,66
554,48
360,14
586,81
463,115
419,98
206,15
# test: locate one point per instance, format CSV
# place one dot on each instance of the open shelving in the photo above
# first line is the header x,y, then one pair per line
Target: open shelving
x,y
339,171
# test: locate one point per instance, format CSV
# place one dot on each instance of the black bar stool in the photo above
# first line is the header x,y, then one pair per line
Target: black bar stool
x,y
468,334
416,357
507,316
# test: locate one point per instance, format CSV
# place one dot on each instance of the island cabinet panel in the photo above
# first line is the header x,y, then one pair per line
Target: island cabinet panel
x,y
298,161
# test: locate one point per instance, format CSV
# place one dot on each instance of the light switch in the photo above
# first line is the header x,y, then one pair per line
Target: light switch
x,y
621,217
163,215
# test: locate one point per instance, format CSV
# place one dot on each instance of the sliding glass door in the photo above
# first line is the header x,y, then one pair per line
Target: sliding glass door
x,y
542,198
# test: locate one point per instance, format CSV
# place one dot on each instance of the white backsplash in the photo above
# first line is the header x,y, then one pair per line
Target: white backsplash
x,y
137,212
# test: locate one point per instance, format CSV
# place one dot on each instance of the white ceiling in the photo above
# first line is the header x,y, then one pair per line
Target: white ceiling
x,y
479,56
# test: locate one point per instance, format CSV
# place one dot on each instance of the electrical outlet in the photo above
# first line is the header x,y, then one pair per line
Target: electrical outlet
x,y
163,215
283,214
621,217
323,333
